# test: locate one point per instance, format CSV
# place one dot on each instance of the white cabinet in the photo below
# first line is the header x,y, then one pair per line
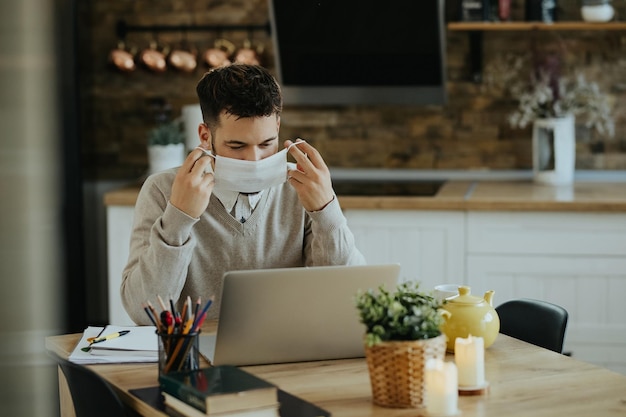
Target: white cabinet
x,y
576,260
538,233
429,245
119,226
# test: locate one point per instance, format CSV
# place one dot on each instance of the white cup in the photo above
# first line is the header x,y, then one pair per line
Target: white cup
x,y
444,291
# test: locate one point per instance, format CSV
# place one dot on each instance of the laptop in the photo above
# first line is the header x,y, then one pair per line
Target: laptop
x,y
293,314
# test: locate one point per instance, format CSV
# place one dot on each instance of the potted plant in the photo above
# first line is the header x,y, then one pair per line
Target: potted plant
x,y
403,331
166,146
551,102
543,92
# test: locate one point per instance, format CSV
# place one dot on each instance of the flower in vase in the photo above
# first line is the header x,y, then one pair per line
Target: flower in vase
x,y
545,93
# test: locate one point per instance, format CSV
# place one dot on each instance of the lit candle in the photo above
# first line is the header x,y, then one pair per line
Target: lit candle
x,y
441,388
469,355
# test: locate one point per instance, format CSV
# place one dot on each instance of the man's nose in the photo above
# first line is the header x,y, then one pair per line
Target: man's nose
x,y
254,154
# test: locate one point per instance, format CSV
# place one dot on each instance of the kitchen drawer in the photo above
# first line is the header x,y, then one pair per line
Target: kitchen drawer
x,y
539,233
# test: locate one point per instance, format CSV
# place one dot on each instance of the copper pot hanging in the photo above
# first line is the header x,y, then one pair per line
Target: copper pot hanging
x,y
219,55
153,59
248,55
182,60
122,59
184,57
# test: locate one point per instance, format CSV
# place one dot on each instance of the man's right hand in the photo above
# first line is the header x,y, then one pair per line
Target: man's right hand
x,y
192,187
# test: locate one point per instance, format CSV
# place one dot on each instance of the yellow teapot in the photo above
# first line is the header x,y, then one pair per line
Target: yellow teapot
x,y
469,314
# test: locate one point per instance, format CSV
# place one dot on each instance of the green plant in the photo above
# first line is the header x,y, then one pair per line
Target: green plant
x,y
405,314
168,133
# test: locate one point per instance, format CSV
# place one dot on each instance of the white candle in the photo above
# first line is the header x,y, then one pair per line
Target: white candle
x,y
441,388
469,355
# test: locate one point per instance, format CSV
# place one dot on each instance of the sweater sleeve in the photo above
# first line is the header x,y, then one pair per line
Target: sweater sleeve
x,y
161,248
328,240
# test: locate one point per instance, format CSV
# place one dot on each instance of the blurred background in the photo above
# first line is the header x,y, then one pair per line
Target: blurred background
x,y
34,249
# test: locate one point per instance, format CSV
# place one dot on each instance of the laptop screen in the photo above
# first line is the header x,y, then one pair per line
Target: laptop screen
x,y
293,314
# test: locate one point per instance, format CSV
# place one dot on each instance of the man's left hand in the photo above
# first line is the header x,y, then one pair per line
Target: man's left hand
x,y
312,178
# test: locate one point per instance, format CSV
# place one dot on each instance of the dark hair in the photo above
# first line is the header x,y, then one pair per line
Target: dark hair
x,y
239,89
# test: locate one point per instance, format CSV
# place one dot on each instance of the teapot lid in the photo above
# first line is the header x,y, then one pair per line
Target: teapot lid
x,y
465,297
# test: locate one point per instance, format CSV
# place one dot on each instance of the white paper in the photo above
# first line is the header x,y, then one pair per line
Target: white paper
x,y
140,345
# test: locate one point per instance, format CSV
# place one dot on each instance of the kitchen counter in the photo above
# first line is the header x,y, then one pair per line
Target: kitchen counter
x,y
518,195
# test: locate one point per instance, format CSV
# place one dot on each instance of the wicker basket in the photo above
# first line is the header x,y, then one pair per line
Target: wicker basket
x,y
396,370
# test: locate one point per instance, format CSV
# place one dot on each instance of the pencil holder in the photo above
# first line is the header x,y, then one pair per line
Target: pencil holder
x,y
178,352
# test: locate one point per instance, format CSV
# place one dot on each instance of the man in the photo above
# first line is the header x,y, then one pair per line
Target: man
x,y
233,204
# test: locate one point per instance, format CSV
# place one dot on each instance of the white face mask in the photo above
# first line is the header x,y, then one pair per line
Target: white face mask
x,y
249,176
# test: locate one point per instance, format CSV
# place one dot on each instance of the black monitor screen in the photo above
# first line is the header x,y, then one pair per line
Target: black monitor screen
x,y
391,45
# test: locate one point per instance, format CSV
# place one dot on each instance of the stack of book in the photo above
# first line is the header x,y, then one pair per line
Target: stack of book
x,y
224,391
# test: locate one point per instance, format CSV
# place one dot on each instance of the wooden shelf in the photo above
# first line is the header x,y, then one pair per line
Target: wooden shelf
x,y
528,26
475,32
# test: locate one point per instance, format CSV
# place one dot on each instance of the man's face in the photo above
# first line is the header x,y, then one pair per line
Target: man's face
x,y
249,139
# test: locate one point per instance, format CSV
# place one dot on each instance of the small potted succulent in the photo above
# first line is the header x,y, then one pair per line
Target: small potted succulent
x,y
402,331
166,146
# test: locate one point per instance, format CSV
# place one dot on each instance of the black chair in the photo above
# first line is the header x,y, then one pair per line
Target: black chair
x,y
92,396
534,321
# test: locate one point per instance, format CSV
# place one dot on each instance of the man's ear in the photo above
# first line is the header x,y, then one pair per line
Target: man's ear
x,y
205,136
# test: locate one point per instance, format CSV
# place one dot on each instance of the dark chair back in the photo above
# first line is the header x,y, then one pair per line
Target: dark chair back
x,y
534,321
92,395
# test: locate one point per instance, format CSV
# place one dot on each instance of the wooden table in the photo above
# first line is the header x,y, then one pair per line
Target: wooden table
x,y
525,380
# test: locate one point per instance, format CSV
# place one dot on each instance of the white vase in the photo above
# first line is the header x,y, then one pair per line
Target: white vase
x,y
162,157
554,150
192,117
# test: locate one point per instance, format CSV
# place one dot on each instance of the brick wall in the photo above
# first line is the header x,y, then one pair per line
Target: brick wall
x,y
470,132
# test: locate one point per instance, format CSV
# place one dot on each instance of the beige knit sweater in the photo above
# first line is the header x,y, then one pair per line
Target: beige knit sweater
x,y
174,255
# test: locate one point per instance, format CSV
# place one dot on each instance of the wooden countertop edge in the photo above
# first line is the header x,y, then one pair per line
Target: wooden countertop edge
x,y
417,203
453,196
126,196
401,203
555,206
